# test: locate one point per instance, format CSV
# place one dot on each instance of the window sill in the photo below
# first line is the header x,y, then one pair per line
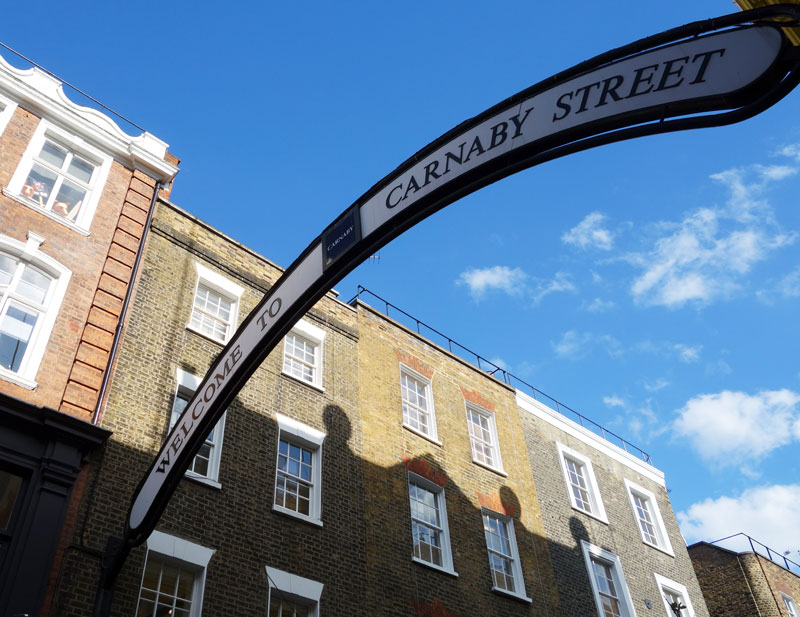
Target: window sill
x,y
434,566
659,548
36,208
511,594
499,472
295,515
594,516
304,382
28,384
206,336
202,480
433,440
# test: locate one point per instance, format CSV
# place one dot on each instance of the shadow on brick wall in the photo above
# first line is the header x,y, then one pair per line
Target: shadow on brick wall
x,y
362,553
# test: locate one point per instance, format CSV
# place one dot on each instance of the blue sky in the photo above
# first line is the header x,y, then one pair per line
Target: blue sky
x,y
652,285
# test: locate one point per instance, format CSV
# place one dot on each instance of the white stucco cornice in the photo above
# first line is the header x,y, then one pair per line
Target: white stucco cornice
x,y
43,94
588,438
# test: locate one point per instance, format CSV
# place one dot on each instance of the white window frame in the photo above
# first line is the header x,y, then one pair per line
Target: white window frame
x,y
592,552
432,434
516,564
598,510
294,588
492,425
47,131
648,497
667,584
315,336
441,505
187,384
789,604
7,107
29,253
302,435
170,549
228,289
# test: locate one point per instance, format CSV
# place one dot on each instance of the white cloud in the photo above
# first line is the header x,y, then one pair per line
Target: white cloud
x,y
720,367
613,401
789,285
655,386
590,233
688,354
572,344
768,514
501,278
708,254
598,305
733,428
777,172
499,362
792,151
558,283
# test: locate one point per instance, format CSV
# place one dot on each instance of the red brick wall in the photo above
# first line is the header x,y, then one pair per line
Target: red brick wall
x,y
76,356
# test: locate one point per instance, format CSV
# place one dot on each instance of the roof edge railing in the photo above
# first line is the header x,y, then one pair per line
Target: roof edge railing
x,y
771,553
498,372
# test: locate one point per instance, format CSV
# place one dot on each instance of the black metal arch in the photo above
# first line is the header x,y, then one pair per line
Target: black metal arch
x,y
291,296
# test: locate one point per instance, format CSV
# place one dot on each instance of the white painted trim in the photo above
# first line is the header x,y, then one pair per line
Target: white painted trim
x,y
598,509
498,468
8,110
224,287
191,382
300,431
303,435
584,435
295,587
219,282
178,548
589,551
195,555
433,436
309,330
664,544
43,95
662,582
519,579
787,599
447,552
47,131
30,252
317,337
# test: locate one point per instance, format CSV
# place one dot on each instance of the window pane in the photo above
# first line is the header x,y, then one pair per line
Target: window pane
x,y
16,328
69,200
33,285
414,394
166,590
151,575
145,608
39,184
7,267
80,169
10,485
53,154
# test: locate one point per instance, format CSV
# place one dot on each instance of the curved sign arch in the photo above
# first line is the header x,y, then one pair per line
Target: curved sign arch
x,y
707,73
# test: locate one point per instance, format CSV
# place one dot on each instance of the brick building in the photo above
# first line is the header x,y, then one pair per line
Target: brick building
x,y
742,584
272,507
76,192
608,518
363,470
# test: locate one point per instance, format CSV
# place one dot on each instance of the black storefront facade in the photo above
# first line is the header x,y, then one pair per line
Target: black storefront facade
x,y
41,454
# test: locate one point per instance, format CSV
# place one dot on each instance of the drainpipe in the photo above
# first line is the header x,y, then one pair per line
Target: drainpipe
x,y
128,295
